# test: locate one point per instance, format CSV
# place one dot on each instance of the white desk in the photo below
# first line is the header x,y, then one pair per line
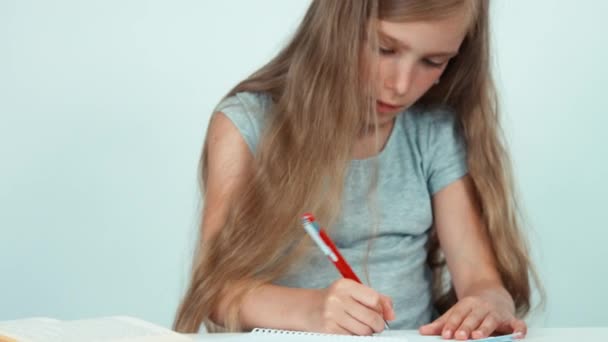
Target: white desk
x,y
534,335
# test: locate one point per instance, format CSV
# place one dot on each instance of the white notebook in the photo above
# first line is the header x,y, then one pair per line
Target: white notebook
x,y
106,329
271,335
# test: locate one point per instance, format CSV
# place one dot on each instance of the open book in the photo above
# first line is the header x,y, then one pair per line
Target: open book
x,y
118,329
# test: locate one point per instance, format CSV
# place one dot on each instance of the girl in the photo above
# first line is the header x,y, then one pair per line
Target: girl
x,y
379,117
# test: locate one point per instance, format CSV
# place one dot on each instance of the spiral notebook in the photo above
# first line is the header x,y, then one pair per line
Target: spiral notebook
x,y
297,336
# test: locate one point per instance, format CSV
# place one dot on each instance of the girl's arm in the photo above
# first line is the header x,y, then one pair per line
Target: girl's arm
x,y
344,307
484,305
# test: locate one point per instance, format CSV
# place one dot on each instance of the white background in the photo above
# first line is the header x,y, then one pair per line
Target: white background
x,y
103,110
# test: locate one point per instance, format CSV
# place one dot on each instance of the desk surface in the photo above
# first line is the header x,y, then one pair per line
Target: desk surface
x,y
534,335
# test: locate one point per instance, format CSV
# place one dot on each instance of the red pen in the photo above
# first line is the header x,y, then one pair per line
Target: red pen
x,y
329,248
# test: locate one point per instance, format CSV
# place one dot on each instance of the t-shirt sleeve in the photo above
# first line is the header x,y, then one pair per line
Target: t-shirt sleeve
x,y
246,111
444,151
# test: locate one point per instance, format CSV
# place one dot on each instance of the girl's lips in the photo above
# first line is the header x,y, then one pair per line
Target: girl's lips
x,y
384,107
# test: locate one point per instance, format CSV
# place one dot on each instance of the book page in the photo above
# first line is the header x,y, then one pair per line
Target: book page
x,y
30,329
119,328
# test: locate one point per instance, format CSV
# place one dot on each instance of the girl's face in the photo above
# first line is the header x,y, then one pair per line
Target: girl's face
x,y
412,57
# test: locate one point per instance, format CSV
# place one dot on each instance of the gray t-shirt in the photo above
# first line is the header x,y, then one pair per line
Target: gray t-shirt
x,y
422,155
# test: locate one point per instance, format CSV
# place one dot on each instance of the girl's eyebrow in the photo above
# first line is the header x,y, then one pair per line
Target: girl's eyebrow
x,y
405,46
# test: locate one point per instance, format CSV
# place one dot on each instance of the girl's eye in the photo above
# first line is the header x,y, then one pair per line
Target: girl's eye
x,y
385,51
432,63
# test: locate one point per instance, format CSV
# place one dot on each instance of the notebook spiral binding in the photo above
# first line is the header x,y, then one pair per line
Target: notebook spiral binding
x,y
301,333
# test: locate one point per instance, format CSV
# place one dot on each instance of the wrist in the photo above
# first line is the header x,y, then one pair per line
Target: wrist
x,y
493,292
278,307
310,301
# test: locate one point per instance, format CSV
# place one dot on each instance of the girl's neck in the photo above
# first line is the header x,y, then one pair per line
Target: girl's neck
x,y
365,146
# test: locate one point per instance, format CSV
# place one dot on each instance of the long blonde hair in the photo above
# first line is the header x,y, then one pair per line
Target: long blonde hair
x,y
319,92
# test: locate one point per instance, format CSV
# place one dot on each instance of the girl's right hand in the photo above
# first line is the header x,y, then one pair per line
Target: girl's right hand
x,y
347,307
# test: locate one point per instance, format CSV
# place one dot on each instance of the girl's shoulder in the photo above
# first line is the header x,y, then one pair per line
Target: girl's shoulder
x,y
247,111
429,118
435,134
430,125
247,103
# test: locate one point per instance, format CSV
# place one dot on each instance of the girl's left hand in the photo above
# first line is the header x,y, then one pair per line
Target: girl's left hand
x,y
475,317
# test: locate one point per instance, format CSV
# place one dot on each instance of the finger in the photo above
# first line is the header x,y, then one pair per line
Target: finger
x,y
366,296
352,325
487,327
435,327
512,325
470,323
336,328
372,319
519,327
454,320
387,308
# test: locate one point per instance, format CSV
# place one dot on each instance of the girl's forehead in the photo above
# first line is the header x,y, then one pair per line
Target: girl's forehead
x,y
428,36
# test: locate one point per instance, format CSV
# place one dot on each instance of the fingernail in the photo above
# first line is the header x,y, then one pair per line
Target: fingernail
x,y
447,333
461,333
